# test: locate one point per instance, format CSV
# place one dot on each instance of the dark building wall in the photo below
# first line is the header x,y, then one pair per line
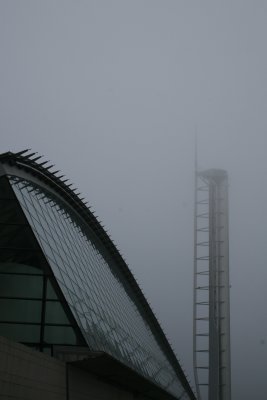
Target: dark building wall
x,y
83,386
26,374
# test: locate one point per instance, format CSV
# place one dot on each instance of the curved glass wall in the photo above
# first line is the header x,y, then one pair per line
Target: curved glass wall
x,y
30,310
99,299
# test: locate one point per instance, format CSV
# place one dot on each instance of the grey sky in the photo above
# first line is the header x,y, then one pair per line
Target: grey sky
x,y
111,91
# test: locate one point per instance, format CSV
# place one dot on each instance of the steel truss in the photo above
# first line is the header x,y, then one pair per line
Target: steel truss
x,y
211,323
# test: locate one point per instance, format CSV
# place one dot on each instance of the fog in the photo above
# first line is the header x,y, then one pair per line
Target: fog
x,y
112,93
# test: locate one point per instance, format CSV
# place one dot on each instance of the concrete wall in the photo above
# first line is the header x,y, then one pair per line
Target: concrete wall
x,y
83,386
26,374
29,375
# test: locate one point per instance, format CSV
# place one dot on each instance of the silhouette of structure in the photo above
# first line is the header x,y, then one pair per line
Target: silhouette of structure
x,y
66,291
212,364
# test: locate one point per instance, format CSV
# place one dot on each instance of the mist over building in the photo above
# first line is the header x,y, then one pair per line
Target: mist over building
x,y
113,91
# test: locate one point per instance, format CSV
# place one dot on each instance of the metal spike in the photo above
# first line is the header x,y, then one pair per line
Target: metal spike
x,y
61,176
43,163
36,158
30,155
55,172
22,152
50,166
25,186
48,201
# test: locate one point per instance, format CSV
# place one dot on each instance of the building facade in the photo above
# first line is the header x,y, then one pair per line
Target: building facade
x,y
66,291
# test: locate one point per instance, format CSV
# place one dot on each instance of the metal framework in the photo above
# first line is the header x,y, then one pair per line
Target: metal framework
x,y
30,166
212,366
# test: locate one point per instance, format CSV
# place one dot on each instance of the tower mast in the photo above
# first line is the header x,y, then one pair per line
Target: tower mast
x,y
212,363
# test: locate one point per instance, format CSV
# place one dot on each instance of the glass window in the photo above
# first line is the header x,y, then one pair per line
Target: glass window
x,y
21,333
20,310
6,190
50,293
55,314
21,286
10,212
16,268
60,335
16,236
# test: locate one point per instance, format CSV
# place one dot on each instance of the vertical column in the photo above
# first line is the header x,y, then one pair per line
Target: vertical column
x,y
214,318
212,364
224,293
219,297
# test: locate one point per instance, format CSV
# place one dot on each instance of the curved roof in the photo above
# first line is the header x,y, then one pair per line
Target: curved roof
x,y
37,168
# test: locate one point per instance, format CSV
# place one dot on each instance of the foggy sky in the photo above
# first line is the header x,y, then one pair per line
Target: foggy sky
x,y
112,92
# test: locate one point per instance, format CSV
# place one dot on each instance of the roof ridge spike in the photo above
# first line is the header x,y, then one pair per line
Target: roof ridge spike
x,y
30,155
36,158
43,163
19,153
